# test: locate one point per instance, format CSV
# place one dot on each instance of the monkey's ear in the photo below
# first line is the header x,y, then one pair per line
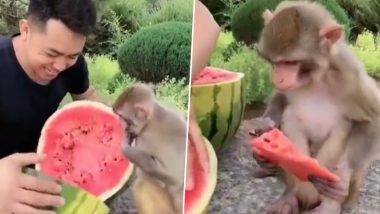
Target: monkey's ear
x,y
267,16
331,34
143,111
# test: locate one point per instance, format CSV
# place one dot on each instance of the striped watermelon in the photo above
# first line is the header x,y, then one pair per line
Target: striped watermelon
x,y
198,198
82,142
77,201
219,102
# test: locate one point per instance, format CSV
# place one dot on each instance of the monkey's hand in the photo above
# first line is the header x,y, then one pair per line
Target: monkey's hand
x,y
267,168
255,128
335,190
258,126
147,164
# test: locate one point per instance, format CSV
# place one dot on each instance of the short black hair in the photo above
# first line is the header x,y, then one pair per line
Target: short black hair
x,y
78,15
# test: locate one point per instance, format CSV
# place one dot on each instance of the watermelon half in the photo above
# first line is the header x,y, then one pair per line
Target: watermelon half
x,y
219,103
76,200
198,198
83,141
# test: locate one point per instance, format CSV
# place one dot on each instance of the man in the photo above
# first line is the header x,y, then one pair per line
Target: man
x,y
38,67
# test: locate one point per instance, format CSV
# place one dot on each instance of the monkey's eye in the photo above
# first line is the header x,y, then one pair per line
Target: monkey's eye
x,y
288,62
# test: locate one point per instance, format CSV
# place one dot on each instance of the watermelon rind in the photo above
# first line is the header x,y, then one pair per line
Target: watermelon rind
x,y
77,201
219,108
202,203
86,103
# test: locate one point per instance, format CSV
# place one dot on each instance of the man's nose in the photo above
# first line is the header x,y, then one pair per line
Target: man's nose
x,y
60,64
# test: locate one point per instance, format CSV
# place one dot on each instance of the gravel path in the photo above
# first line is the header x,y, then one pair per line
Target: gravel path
x,y
239,193
122,203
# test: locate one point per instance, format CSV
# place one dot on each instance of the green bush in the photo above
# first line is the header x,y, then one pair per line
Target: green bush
x,y
169,91
257,71
364,15
174,92
226,46
173,10
101,70
247,21
117,81
367,48
132,13
157,51
107,37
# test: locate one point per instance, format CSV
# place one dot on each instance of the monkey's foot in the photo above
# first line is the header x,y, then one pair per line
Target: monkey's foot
x,y
326,207
263,173
335,190
287,204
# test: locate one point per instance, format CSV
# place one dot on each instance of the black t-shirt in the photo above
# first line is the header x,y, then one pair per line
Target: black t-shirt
x,y
26,105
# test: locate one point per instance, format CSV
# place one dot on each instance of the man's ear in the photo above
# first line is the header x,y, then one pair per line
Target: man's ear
x,y
24,29
331,34
267,16
143,111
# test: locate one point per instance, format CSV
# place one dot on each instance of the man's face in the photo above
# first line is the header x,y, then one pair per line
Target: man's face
x,y
51,50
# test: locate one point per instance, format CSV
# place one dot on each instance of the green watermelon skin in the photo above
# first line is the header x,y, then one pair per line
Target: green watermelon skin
x,y
76,201
219,107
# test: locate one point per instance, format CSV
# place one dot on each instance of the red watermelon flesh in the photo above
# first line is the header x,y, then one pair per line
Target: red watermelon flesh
x,y
210,76
277,148
83,146
198,176
198,197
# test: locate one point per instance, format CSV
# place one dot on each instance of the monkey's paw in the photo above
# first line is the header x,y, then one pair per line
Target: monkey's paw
x,y
325,208
259,126
263,172
287,204
265,164
335,190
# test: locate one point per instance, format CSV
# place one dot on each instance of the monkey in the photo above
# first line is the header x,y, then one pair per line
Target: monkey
x,y
313,65
156,141
151,198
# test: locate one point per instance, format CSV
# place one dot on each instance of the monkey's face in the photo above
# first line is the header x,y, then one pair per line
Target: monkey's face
x,y
135,120
294,50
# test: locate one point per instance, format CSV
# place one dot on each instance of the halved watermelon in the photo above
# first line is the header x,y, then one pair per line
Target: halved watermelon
x,y
198,198
83,141
76,200
219,102
277,148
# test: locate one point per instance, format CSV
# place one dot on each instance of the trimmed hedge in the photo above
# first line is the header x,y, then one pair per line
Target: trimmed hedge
x,y
158,51
247,21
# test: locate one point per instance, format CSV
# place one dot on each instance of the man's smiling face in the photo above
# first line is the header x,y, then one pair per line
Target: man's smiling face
x,y
50,49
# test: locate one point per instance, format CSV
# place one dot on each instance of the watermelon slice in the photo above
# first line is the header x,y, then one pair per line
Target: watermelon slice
x,y
218,97
198,197
76,200
83,141
277,148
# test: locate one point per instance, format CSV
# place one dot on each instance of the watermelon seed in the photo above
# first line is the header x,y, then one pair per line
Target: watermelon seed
x,y
267,140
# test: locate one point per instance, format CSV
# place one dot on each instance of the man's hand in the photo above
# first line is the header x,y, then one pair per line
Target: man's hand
x,y
21,193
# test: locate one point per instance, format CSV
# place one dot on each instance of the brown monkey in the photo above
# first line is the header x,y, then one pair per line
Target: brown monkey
x,y
329,106
159,135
